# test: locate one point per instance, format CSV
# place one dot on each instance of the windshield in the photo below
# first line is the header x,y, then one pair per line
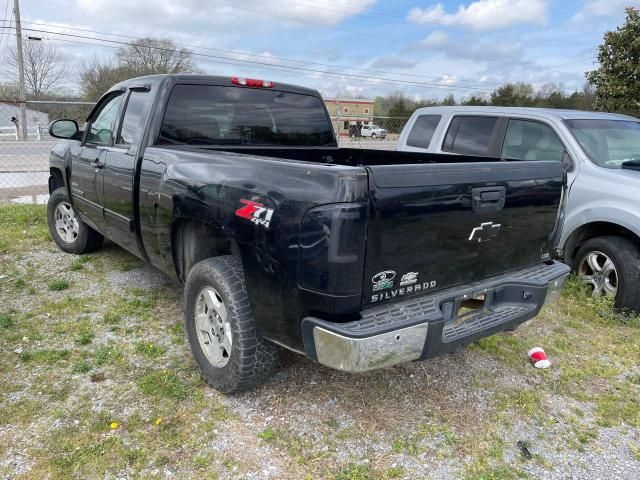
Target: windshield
x,y
218,115
608,143
376,127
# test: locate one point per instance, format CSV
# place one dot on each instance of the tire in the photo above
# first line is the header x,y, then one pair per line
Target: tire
x,y
236,356
76,237
625,258
373,135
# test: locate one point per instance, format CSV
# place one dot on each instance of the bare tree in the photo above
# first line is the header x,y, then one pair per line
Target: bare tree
x,y
146,56
44,69
97,76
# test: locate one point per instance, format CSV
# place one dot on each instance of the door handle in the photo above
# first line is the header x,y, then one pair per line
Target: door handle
x,y
97,164
488,199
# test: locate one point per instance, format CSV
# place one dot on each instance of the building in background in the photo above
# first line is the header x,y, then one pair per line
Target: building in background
x,y
34,118
347,114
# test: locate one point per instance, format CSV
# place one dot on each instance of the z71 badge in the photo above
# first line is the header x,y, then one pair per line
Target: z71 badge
x,y
255,212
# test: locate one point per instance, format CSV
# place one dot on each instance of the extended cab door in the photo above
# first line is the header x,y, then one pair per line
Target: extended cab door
x,y
120,169
87,167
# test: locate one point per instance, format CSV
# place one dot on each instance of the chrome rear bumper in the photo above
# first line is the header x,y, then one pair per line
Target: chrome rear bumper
x,y
363,354
429,325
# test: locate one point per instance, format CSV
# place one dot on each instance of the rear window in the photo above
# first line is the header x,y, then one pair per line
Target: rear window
x,y
470,135
422,131
218,115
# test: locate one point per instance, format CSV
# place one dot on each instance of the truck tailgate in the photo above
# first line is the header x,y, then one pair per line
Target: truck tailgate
x,y
434,226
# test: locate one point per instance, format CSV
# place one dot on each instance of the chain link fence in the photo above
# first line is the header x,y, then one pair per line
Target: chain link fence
x,y
24,162
374,132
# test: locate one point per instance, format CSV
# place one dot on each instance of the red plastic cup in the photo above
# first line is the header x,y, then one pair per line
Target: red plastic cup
x,y
539,358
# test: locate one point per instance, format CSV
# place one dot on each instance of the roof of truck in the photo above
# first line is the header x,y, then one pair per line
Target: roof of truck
x,y
542,112
212,80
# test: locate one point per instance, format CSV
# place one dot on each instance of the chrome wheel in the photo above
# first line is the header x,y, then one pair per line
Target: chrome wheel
x,y
66,222
598,270
213,327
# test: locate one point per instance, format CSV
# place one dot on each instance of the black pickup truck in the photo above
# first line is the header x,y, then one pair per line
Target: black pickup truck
x,y
359,259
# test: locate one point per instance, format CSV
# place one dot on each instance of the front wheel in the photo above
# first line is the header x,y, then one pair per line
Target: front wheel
x,y
224,339
70,233
611,267
373,135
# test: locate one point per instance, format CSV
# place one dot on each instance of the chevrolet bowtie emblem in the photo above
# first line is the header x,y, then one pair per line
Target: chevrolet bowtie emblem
x,y
485,232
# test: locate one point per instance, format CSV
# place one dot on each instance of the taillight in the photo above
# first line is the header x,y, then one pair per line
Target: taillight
x,y
251,82
332,244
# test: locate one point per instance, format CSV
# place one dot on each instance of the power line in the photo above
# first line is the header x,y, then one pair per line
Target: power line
x,y
223,60
268,57
466,84
5,20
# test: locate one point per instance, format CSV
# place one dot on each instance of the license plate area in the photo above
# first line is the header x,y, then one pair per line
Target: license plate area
x,y
467,306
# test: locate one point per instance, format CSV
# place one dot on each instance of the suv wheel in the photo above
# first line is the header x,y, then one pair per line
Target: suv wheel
x,y
224,339
611,266
373,135
70,233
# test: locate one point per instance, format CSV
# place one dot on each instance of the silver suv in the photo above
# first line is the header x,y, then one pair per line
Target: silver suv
x,y
601,151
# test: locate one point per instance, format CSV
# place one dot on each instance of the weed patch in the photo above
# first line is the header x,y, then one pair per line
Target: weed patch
x,y
58,284
163,384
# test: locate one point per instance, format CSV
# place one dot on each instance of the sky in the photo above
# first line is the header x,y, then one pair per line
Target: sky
x,y
364,48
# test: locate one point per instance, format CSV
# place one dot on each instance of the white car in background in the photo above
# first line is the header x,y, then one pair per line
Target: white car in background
x,y
601,151
373,131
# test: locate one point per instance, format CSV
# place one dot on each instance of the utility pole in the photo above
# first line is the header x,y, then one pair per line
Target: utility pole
x,y
23,90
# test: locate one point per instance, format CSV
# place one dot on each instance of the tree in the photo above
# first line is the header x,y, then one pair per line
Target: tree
x,y
449,100
513,95
617,79
144,56
97,76
474,101
44,69
147,56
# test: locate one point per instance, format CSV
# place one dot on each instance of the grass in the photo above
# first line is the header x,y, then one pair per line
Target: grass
x,y
6,320
150,349
267,434
58,284
76,361
80,262
107,354
163,384
44,356
23,227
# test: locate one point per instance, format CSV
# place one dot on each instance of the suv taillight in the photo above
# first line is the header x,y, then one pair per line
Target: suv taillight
x,y
332,248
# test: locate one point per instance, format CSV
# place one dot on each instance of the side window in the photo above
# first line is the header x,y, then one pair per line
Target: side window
x,y
133,118
422,131
470,135
102,126
528,140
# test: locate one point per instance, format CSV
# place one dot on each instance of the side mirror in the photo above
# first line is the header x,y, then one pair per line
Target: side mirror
x,y
64,128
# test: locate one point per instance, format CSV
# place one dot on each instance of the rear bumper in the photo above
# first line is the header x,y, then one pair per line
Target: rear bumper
x,y
429,325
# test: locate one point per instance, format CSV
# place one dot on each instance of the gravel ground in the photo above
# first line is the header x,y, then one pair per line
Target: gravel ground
x,y
98,382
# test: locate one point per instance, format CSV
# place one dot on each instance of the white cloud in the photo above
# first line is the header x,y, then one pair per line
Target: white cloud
x,y
393,61
435,39
602,8
447,79
250,12
484,14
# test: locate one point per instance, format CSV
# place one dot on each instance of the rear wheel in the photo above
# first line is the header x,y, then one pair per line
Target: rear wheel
x,y
611,267
70,233
224,339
